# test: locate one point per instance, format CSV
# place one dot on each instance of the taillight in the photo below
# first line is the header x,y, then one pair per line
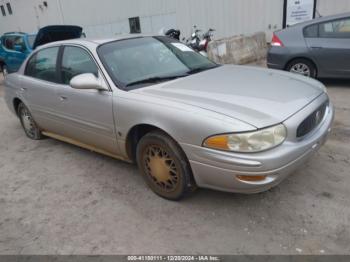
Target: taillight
x,y
276,41
206,45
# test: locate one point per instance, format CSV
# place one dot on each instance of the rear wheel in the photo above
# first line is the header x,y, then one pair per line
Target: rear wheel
x,y
30,127
164,166
4,70
302,67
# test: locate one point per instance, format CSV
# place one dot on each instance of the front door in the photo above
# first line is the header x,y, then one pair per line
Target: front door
x,y
86,115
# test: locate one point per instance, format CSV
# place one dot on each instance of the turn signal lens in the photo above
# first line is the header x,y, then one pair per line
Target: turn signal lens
x,y
249,142
218,142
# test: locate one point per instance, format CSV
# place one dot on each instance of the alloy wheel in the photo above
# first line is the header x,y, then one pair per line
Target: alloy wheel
x,y
4,71
28,122
301,69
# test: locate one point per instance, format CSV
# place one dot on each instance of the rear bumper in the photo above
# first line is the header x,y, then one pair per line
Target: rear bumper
x,y
277,58
219,170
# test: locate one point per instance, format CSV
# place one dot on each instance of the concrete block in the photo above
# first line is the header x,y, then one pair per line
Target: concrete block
x,y
238,49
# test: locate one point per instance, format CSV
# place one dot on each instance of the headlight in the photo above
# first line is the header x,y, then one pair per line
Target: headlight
x,y
249,142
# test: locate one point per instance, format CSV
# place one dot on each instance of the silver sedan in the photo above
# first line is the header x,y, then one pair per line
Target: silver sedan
x,y
186,121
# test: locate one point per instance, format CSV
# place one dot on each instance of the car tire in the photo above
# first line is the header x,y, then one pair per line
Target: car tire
x,y
4,70
302,67
164,166
30,128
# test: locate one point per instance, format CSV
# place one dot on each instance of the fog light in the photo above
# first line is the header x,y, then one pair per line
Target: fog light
x,y
251,178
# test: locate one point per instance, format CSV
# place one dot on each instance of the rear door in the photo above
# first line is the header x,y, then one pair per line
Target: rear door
x,y
329,43
39,87
87,115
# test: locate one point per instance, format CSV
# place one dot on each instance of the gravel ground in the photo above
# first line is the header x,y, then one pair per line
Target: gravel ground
x,y
56,198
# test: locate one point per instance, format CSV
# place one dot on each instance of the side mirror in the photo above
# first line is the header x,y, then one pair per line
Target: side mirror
x,y
18,48
87,81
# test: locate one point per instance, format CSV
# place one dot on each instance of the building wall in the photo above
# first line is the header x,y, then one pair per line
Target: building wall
x,y
106,18
29,15
330,7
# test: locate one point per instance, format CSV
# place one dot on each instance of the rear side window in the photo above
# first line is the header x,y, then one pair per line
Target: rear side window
x,y
335,29
9,42
43,65
311,31
76,61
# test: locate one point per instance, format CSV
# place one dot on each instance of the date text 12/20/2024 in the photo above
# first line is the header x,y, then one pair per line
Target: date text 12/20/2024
x,y
173,258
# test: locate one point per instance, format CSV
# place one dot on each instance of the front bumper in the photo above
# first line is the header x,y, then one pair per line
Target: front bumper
x,y
219,170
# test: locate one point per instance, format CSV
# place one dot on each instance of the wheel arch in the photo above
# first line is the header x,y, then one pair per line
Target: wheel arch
x,y
136,133
16,101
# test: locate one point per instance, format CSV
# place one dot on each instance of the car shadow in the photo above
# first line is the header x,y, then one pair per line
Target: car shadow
x,y
329,82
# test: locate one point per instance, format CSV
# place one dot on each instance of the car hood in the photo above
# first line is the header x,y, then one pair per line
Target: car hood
x,y
259,97
55,33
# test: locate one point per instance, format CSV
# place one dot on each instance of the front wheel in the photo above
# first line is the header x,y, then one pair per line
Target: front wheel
x,y
302,67
30,127
164,166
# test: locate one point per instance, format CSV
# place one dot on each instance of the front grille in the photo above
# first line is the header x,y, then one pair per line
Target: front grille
x,y
312,121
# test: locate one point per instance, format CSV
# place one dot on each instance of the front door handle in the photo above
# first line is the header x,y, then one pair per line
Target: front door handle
x,y
316,47
23,89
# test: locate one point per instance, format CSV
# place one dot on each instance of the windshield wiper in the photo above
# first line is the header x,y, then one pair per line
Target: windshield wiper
x,y
200,69
156,79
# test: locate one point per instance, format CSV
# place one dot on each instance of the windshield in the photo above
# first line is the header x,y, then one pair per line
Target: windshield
x,y
134,63
31,39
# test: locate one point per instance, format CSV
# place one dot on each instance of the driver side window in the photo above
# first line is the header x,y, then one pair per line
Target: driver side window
x,y
76,61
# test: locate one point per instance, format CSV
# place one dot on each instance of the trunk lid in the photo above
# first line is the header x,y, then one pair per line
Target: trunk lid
x,y
55,33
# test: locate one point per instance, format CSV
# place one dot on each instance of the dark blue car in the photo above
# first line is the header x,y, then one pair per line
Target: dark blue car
x,y
16,46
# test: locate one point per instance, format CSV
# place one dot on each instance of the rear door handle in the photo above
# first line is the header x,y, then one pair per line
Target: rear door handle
x,y
23,89
316,47
63,98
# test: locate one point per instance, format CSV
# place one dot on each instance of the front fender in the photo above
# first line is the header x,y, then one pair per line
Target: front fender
x,y
185,123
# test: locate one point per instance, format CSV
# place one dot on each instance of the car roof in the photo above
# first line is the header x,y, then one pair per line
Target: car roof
x,y
91,42
322,19
12,33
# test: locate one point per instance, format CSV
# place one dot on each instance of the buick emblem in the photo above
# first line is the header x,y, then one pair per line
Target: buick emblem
x,y
318,117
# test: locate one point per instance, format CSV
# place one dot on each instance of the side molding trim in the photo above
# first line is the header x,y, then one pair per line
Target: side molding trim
x,y
85,146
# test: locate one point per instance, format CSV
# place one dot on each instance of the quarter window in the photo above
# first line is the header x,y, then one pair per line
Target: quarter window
x,y
335,29
43,65
76,61
311,31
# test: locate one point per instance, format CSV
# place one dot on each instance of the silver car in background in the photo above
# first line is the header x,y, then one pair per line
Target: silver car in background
x,y
318,48
186,121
